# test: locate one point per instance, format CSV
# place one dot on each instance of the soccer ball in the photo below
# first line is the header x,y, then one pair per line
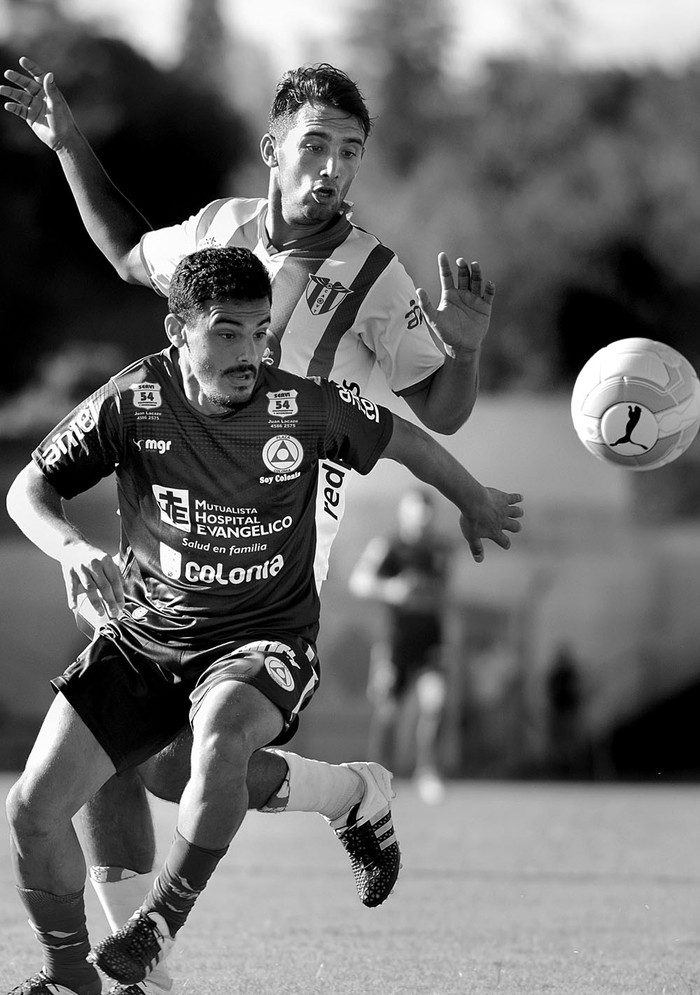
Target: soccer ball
x,y
636,403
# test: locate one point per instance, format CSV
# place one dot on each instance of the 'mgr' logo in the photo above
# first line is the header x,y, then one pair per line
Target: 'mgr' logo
x,y
157,445
153,445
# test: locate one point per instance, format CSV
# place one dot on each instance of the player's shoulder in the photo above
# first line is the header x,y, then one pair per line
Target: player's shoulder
x,y
248,206
147,369
273,378
370,240
311,393
226,215
383,261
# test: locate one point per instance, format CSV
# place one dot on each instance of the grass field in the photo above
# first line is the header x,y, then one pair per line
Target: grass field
x,y
506,887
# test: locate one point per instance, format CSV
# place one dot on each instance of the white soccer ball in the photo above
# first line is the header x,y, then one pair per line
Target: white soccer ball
x,y
636,403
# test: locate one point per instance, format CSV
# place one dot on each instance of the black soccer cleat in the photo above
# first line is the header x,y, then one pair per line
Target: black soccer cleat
x,y
129,954
369,837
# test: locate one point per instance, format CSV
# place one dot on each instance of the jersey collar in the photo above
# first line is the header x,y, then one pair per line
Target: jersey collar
x,y
335,232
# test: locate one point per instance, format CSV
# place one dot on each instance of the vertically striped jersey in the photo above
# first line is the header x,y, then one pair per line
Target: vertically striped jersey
x,y
341,303
217,512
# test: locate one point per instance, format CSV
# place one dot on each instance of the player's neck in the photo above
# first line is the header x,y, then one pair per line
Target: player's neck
x,y
282,234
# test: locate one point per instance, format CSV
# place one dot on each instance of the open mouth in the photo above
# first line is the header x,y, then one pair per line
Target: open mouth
x,y
242,378
324,194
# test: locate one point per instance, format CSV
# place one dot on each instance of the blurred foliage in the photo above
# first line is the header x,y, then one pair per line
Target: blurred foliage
x,y
579,194
577,190
398,48
168,144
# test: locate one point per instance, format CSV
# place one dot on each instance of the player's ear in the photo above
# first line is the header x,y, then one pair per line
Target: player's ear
x,y
268,150
174,329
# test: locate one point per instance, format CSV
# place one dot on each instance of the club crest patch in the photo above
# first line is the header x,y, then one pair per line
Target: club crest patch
x,y
282,454
323,296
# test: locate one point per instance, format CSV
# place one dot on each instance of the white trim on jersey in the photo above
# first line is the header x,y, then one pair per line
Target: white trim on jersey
x,y
330,508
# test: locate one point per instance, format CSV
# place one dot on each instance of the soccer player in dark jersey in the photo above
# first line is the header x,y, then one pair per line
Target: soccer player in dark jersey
x,y
216,632
342,303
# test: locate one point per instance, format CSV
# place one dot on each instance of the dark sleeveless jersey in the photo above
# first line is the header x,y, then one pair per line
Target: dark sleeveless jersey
x,y
218,525
426,561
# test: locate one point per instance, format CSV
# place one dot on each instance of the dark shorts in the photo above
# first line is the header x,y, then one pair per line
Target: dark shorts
x,y
123,688
415,646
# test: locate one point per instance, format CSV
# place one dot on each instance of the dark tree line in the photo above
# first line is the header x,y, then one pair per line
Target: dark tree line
x,y
167,144
578,191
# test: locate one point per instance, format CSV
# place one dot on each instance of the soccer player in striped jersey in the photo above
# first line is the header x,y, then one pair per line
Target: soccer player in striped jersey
x,y
218,633
342,303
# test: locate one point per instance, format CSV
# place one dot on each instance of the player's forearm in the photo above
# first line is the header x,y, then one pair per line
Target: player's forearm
x,y
430,462
451,394
37,510
111,220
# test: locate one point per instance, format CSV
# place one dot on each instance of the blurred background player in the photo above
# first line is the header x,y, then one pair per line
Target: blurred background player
x,y
408,572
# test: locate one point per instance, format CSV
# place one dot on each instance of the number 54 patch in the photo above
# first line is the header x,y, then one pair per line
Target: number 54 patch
x,y
282,403
146,395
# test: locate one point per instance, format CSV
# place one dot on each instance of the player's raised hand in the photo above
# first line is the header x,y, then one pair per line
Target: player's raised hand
x,y
489,517
462,317
87,569
36,99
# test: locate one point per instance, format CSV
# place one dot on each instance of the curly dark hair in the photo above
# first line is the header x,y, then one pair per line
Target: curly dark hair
x,y
217,274
319,84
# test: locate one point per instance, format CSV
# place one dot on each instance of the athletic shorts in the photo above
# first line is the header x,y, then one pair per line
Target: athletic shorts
x,y
135,693
414,647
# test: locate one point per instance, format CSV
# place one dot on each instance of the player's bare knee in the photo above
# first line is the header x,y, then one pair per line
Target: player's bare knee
x,y
233,720
29,814
228,749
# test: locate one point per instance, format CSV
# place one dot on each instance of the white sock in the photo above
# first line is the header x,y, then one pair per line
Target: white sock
x,y
121,891
315,786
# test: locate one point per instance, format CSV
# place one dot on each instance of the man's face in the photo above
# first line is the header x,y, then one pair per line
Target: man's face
x,y
221,352
317,161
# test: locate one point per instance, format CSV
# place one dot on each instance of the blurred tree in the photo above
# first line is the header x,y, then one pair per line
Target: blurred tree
x,y
205,44
546,29
579,193
400,47
166,147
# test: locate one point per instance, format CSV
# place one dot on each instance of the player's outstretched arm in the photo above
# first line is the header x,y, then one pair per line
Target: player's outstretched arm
x,y
37,509
461,319
113,223
485,512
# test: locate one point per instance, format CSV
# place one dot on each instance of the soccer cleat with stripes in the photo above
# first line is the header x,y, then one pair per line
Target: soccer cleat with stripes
x,y
369,838
140,988
39,984
135,949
